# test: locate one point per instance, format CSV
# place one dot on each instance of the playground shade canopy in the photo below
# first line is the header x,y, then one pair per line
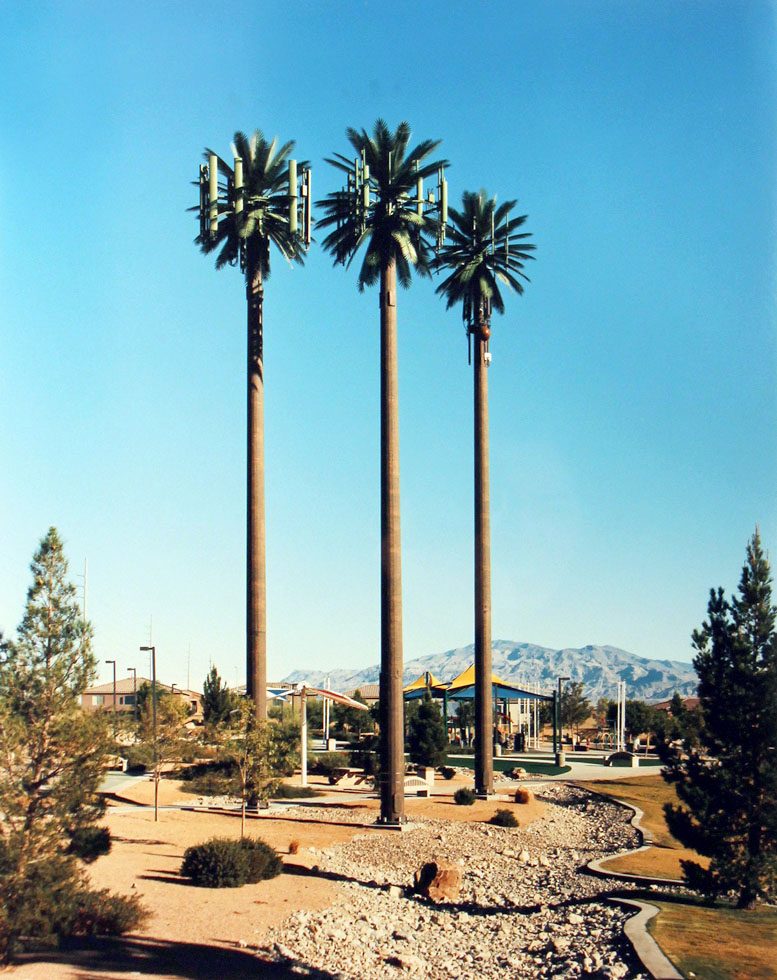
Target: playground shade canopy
x,y
322,692
462,688
426,682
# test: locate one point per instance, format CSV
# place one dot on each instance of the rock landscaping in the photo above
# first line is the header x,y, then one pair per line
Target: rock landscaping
x,y
525,907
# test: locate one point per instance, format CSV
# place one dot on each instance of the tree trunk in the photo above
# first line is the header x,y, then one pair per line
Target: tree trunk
x,y
484,719
392,748
256,584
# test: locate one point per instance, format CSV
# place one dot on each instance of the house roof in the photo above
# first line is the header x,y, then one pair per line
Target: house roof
x,y
368,692
125,685
690,703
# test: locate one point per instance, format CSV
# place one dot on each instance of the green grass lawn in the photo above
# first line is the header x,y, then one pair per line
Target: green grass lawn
x,y
649,793
718,943
502,765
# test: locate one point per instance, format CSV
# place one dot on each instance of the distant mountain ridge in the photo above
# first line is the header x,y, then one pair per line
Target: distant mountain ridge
x,y
598,667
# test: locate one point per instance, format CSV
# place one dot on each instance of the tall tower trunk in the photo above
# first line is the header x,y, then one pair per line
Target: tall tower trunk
x,y
392,747
484,716
256,582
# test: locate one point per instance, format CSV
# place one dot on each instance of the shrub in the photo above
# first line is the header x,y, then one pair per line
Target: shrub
x,y
262,860
327,762
212,784
100,913
523,795
464,796
447,772
365,756
225,863
294,846
222,767
139,758
285,792
89,843
504,818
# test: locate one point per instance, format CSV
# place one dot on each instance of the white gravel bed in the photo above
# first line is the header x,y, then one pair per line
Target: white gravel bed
x,y
526,910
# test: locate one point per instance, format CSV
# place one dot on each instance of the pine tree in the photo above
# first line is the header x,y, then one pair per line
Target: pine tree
x,y
427,738
217,699
725,770
51,756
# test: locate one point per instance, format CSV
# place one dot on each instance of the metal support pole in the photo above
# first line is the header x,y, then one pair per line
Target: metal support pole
x,y
303,734
555,722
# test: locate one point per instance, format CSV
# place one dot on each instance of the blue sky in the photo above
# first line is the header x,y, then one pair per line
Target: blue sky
x,y
633,398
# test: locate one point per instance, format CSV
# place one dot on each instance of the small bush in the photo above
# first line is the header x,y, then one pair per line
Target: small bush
x,y
365,756
212,784
523,795
294,847
225,863
223,767
139,758
285,792
261,859
100,913
89,843
447,772
504,818
464,796
327,762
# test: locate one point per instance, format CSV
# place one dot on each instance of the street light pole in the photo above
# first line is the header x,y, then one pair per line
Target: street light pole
x,y
134,672
560,722
152,650
114,695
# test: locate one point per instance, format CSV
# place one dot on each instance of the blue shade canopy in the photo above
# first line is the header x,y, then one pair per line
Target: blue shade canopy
x,y
462,688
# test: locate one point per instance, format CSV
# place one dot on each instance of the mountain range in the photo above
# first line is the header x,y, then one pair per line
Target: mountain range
x,y
598,667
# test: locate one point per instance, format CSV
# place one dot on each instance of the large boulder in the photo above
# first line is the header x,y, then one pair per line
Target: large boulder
x,y
439,881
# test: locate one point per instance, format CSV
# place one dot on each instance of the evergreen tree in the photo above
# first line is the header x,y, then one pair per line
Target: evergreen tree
x,y
217,699
348,719
725,770
427,738
51,756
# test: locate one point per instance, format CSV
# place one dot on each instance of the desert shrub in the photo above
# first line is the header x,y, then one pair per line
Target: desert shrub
x,y
222,767
211,784
188,751
100,913
284,747
286,792
139,757
464,796
261,859
225,863
523,795
447,772
364,755
504,818
89,843
327,762
219,863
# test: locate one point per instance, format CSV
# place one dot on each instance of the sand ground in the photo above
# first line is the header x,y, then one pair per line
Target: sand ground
x,y
202,932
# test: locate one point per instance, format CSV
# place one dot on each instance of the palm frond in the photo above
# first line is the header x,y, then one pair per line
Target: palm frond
x,y
475,264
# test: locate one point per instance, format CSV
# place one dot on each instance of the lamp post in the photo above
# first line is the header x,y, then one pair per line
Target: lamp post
x,y
114,695
134,672
560,751
152,650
